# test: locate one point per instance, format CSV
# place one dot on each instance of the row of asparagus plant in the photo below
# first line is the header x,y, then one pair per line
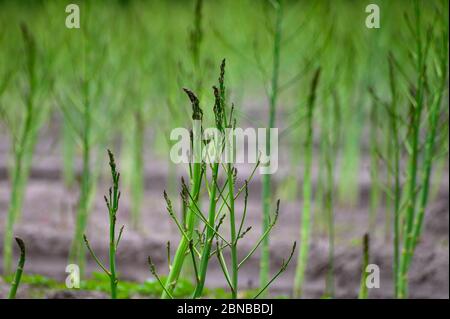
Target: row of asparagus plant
x,y
412,131
112,203
403,140
199,232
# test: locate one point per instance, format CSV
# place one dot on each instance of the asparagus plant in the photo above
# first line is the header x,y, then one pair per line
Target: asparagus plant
x,y
197,238
374,167
112,203
302,260
220,119
330,133
23,146
19,270
395,160
414,157
409,201
82,109
430,141
363,290
195,41
137,173
266,179
68,153
76,252
196,177
416,207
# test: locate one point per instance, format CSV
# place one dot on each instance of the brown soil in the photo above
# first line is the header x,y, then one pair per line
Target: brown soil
x,y
48,219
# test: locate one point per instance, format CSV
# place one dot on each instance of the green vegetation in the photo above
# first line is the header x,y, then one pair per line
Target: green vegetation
x,y
363,290
267,189
362,116
422,98
330,134
412,132
99,282
199,232
19,270
24,132
305,233
112,202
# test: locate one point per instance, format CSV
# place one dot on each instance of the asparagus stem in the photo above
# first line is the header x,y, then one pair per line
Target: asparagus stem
x,y
396,172
363,290
234,260
19,270
266,179
23,149
112,203
209,235
413,163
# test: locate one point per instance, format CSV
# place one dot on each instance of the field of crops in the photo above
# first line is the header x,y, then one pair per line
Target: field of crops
x,y
353,203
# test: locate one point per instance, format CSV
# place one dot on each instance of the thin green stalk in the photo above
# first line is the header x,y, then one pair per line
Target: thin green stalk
x,y
266,179
320,192
138,169
396,172
180,253
234,260
307,192
388,200
329,190
112,227
155,274
363,290
429,152
209,235
439,172
68,153
77,253
374,189
178,260
19,270
219,112
262,237
15,206
282,269
112,203
330,214
223,266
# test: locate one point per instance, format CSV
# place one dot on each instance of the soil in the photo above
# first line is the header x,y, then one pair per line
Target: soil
x,y
48,219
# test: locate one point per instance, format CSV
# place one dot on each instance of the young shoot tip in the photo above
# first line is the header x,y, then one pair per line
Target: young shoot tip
x,y
152,266
197,113
21,245
112,162
222,69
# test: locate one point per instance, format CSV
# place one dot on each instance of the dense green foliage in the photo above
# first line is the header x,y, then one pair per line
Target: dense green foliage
x,y
117,82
